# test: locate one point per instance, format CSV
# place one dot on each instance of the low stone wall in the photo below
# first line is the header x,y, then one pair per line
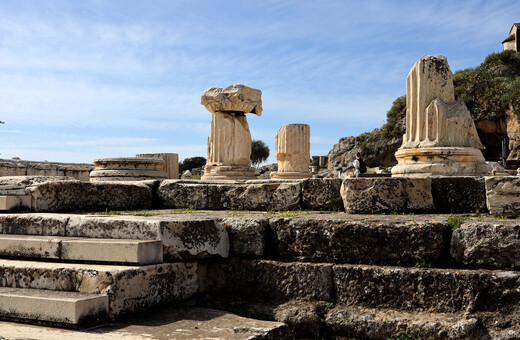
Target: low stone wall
x,y
498,195
18,167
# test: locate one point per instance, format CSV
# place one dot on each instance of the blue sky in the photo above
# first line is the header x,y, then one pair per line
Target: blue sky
x,y
86,79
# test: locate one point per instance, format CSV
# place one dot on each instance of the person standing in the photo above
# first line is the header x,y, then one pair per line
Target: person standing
x,y
359,165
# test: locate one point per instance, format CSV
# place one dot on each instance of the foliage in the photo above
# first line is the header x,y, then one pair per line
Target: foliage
x,y
490,89
456,221
394,117
259,152
191,163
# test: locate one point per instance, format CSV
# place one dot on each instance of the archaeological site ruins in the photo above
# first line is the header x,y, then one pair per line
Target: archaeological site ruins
x,y
431,251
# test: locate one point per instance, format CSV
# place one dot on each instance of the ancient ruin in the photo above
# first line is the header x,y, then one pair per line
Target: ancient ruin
x,y
127,169
292,146
171,162
229,143
440,137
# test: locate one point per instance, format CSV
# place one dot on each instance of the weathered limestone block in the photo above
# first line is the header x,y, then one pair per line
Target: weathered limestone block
x,y
322,194
503,195
73,195
247,237
303,317
18,167
459,194
440,138
396,239
234,98
384,195
17,185
265,195
372,323
270,280
487,244
254,195
182,239
127,169
229,143
181,194
435,290
34,224
171,163
292,146
130,288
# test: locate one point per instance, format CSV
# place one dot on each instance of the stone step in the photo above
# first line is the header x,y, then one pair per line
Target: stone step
x,y
19,202
140,252
370,323
410,289
129,288
183,237
69,308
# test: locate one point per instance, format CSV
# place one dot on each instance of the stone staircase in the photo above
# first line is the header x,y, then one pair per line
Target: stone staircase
x,y
374,277
49,277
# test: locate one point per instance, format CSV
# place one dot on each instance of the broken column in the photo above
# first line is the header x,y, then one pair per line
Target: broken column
x,y
127,169
292,146
440,138
229,143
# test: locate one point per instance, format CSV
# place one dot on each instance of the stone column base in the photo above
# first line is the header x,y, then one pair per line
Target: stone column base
x,y
440,161
227,172
127,169
290,175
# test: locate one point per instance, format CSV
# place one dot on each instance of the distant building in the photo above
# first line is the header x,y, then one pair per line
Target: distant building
x,y
513,41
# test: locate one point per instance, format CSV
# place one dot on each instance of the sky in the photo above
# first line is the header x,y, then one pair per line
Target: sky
x,y
81,80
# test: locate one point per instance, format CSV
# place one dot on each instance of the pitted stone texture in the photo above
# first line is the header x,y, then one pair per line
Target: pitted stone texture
x,y
233,98
193,239
405,241
194,194
247,237
17,185
459,194
129,288
265,196
303,317
370,323
18,167
73,195
503,195
182,239
384,195
434,290
322,194
293,151
487,244
253,195
271,280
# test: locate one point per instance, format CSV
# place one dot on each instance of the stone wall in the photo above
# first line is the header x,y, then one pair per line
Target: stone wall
x,y
18,167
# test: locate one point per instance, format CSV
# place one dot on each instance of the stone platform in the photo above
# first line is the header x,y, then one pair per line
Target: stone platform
x,y
498,195
320,274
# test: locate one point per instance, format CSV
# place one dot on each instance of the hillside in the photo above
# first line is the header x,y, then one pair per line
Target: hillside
x,y
491,92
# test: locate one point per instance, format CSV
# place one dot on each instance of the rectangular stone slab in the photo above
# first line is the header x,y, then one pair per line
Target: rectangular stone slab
x,y
387,195
503,195
84,249
131,288
53,306
435,290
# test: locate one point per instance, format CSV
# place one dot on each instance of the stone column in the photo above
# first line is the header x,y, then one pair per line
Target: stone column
x,y
440,138
229,142
292,146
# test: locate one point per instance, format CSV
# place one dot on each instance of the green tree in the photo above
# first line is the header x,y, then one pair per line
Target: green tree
x,y
259,152
191,162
